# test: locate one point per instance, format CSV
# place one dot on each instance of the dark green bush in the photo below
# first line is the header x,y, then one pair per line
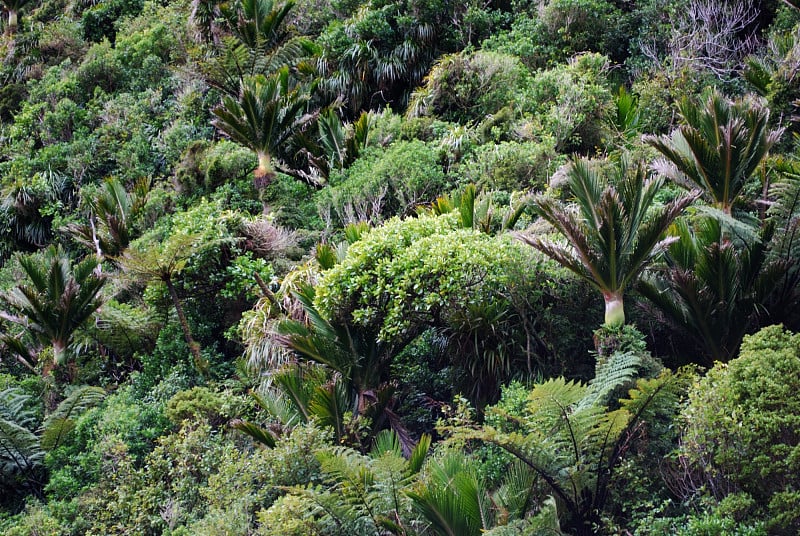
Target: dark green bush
x,y
99,20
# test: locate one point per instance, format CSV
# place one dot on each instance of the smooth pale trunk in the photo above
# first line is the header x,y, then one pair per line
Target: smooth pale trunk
x,y
615,310
12,21
263,175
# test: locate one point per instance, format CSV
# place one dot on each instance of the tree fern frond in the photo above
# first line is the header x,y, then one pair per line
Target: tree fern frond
x,y
619,369
62,420
20,451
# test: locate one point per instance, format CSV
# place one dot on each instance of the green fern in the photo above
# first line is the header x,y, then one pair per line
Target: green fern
x,y
20,451
366,494
568,438
619,369
61,421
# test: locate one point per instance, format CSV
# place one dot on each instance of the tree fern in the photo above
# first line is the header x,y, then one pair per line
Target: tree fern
x,y
367,493
62,420
619,369
20,451
572,442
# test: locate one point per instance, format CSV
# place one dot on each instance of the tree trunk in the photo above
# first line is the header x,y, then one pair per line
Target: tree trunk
x,y
615,310
199,362
12,21
263,174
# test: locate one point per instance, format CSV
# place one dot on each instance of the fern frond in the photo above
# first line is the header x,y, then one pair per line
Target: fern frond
x,y
59,423
20,450
619,369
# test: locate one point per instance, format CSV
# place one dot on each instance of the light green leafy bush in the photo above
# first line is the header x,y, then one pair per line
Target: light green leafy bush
x,y
511,166
384,183
569,102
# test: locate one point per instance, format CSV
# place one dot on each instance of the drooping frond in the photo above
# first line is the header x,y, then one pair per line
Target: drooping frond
x,y
62,420
20,451
451,497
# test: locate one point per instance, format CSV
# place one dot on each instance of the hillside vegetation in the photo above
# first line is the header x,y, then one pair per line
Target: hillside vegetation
x,y
389,267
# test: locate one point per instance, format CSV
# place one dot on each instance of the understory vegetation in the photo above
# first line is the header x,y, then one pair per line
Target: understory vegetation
x,y
327,267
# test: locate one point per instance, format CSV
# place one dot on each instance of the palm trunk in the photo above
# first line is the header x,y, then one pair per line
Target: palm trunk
x,y
615,310
199,362
12,21
263,174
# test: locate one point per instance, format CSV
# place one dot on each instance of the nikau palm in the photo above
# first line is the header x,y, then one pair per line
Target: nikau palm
x,y
57,298
614,229
716,289
717,148
266,114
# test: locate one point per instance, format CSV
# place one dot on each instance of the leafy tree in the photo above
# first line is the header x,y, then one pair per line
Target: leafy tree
x,y
411,275
57,298
265,115
454,499
719,146
614,230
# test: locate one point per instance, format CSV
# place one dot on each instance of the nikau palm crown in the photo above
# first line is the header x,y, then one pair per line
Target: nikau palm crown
x,y
718,148
613,228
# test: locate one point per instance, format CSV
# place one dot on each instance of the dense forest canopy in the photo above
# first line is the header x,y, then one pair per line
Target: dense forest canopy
x,y
414,267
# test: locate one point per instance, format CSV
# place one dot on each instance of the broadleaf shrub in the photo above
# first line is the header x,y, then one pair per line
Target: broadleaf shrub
x,y
743,427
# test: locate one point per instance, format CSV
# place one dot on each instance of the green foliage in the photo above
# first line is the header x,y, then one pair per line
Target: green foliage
x,y
55,301
555,30
573,443
410,275
384,183
469,86
741,427
266,113
247,483
200,404
567,104
61,421
378,53
113,212
715,288
367,493
242,273
99,20
359,388
719,146
511,166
